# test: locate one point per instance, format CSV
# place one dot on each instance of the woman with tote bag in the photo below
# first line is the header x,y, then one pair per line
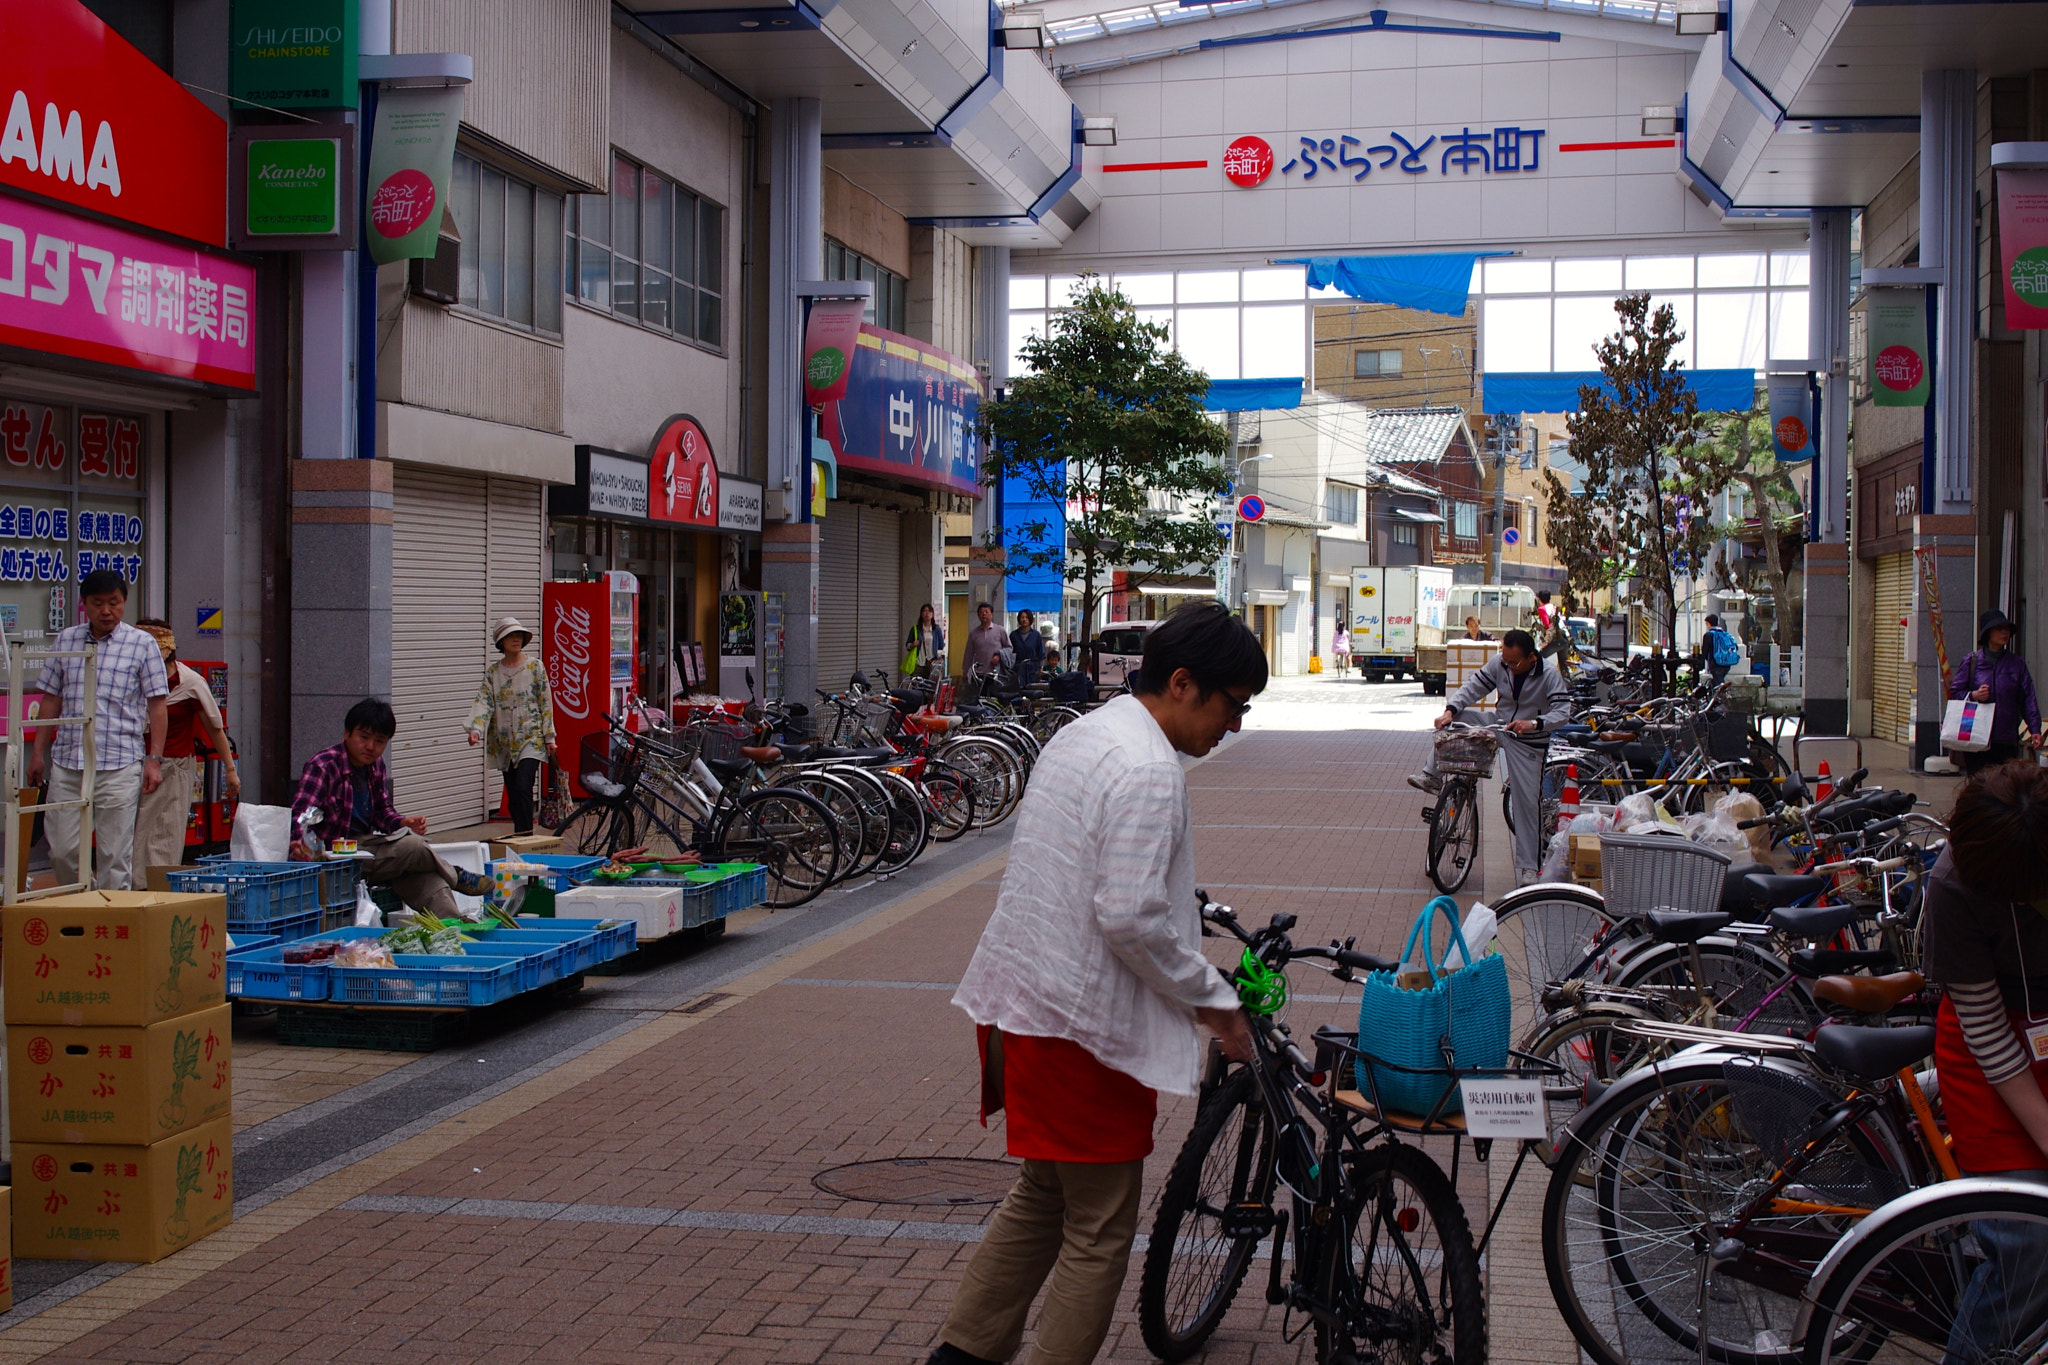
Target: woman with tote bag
x,y
1994,673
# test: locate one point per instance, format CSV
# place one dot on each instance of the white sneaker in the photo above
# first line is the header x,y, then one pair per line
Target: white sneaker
x,y
1526,877
1426,782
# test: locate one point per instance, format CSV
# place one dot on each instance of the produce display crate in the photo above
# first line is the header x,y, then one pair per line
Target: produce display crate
x,y
245,943
338,880
619,936
262,974
424,979
565,870
263,898
746,886
284,930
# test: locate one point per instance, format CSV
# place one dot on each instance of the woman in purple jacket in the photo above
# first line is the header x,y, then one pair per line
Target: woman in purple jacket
x,y
1995,673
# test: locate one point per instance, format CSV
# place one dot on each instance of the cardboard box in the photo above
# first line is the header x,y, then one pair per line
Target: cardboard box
x,y
6,1248
1585,856
525,843
96,1202
131,1086
119,959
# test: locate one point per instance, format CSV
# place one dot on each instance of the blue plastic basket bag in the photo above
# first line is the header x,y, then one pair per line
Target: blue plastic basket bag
x,y
1462,1020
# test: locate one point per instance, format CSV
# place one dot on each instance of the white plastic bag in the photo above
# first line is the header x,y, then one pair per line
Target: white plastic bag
x,y
1634,810
368,916
1555,858
262,834
1477,931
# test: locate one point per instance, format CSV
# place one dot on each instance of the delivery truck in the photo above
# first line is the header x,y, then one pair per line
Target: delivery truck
x,y
1397,614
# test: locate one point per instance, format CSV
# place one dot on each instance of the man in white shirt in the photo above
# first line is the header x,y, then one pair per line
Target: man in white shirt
x,y
1087,996
129,721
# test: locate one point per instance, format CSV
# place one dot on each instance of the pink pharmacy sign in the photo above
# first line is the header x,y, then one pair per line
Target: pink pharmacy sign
x,y
97,292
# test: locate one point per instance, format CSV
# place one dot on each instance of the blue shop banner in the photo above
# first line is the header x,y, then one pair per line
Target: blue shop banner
x,y
909,413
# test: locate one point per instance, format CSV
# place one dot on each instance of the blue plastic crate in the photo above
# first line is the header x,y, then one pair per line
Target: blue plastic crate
x,y
619,936
420,979
557,953
249,943
742,891
283,930
263,974
338,882
565,870
258,894
700,904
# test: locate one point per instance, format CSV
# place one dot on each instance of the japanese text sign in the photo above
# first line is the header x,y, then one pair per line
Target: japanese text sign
x,y
1355,156
2023,247
96,292
829,342
1791,399
1898,347
117,958
909,413
412,160
295,54
682,479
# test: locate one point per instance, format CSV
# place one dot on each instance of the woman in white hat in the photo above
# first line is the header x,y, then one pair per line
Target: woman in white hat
x,y
514,714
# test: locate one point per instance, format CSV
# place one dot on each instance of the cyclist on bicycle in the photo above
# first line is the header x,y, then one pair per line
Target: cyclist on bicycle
x,y
1985,927
1087,996
1532,699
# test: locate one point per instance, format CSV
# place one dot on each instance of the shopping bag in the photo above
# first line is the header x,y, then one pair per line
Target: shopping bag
x,y
262,834
554,802
1460,1020
1966,726
908,667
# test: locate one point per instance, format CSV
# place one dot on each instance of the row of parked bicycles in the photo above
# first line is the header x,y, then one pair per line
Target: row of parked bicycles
x,y
1746,1157
896,771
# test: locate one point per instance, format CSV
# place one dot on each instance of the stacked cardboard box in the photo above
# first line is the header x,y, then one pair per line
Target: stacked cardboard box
x,y
119,1075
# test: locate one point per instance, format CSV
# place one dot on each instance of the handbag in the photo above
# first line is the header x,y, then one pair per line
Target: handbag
x,y
554,805
1460,1020
1966,726
908,666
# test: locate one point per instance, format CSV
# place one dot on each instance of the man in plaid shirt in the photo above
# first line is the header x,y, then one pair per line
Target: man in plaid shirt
x,y
129,722
350,786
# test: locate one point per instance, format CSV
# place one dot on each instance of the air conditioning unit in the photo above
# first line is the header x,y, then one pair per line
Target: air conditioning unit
x,y
438,278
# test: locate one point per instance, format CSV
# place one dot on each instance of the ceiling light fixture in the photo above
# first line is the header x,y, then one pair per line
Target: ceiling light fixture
x,y
1021,29
1700,18
1098,132
1660,120
908,48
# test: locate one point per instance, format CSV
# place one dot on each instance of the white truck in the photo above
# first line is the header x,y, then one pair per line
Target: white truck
x,y
1396,611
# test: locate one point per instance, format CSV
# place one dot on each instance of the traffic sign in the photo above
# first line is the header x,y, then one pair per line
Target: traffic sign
x,y
1510,536
1251,507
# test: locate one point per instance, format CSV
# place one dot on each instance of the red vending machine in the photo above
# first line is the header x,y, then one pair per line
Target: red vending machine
x,y
213,815
589,641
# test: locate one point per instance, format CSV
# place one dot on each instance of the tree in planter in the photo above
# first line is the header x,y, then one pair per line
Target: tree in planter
x,y
1108,424
1640,513
1741,447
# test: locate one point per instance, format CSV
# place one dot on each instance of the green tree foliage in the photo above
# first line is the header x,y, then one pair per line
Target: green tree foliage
x,y
1741,450
1109,425
1640,514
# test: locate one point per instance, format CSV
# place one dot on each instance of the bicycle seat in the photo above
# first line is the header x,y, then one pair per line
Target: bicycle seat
x,y
1868,994
819,753
1869,1052
932,724
1611,747
1737,897
1771,891
1686,926
1816,922
765,754
1817,962
1569,730
728,768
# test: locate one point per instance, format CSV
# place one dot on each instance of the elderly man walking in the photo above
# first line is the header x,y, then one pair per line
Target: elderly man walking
x,y
1087,997
129,721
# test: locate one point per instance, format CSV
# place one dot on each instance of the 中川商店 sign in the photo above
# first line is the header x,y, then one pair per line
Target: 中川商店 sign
x,y
909,412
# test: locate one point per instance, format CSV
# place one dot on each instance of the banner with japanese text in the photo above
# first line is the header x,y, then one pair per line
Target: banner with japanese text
x,y
412,158
829,341
909,413
1791,399
2023,247
1898,347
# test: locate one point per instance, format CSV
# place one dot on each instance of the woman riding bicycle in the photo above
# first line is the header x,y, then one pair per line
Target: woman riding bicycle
x,y
1985,923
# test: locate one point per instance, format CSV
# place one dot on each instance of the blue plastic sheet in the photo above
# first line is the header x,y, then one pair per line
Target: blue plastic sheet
x,y
1558,391
1041,589
1252,395
1439,282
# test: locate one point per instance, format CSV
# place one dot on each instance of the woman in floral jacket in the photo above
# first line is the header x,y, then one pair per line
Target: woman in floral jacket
x,y
514,715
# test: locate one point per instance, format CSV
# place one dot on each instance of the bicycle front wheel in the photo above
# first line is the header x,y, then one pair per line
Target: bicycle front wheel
x,y
790,833
596,829
1404,1279
1954,1273
1454,835
1217,1205
1547,933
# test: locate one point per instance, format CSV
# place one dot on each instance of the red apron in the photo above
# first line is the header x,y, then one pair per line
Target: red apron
x,y
1063,1104
1987,1136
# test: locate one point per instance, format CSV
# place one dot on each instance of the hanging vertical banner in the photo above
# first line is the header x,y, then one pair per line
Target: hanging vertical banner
x,y
829,339
1791,397
1898,347
2023,247
412,157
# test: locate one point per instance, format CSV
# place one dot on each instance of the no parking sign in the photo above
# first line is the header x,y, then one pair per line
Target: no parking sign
x,y
1251,507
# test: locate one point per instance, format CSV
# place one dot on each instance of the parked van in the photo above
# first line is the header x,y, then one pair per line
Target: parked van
x,y
1118,651
1498,608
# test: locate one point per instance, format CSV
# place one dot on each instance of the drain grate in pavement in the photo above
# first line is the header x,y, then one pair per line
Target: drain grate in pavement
x,y
941,1181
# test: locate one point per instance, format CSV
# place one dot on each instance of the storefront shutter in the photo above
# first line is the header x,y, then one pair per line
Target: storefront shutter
x,y
1891,681
881,577
839,594
513,573
440,593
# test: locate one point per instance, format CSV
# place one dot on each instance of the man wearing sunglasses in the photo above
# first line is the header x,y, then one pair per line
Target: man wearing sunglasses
x,y
1090,991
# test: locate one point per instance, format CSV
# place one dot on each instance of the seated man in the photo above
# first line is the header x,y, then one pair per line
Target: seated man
x,y
352,788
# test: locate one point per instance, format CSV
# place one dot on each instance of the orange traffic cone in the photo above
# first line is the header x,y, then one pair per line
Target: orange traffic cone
x,y
1824,783
1568,799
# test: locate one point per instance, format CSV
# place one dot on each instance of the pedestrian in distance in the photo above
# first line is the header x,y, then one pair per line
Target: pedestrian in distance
x,y
1719,650
1473,630
1531,699
927,643
1090,999
163,815
1029,647
1995,672
130,718
350,785
514,717
1340,650
986,642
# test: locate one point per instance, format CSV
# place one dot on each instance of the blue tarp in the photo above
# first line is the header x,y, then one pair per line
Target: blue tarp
x,y
1558,391
1036,590
1436,283
1252,395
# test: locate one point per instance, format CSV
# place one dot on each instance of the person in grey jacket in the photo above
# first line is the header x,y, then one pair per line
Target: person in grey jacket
x,y
1531,698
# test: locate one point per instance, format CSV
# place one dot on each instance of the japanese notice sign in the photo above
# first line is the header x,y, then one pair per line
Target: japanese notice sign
x,y
412,157
682,478
2023,247
1898,347
1504,1109
909,412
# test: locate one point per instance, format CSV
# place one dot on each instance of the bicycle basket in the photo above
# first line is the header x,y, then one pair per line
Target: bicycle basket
x,y
609,763
720,743
1466,752
1644,872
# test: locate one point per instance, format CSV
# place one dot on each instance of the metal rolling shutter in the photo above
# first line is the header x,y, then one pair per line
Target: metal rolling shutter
x,y
839,593
881,579
440,593
1891,680
512,575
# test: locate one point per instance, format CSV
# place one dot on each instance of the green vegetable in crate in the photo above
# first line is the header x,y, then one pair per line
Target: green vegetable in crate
x,y
170,997
184,1067
177,1227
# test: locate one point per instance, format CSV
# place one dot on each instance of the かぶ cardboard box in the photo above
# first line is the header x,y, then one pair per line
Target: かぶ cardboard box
x,y
130,1086
98,1202
6,1249
525,843
122,959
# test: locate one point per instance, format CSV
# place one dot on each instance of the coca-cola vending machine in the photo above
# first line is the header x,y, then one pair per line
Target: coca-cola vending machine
x,y
589,634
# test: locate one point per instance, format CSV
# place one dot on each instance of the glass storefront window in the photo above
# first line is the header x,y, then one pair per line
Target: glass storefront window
x,y
70,502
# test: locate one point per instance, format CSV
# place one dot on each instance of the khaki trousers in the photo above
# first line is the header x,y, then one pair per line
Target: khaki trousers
x,y
163,816
1072,1220
114,794
409,866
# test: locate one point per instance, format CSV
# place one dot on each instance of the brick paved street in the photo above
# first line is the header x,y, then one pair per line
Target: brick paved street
x,y
649,1195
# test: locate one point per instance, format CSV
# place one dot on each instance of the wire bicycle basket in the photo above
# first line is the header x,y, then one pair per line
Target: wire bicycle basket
x,y
1467,753
609,764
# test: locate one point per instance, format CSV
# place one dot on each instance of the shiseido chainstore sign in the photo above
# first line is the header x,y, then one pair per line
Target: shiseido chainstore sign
x,y
93,124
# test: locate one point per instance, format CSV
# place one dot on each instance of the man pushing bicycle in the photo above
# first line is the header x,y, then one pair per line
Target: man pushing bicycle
x,y
1532,698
